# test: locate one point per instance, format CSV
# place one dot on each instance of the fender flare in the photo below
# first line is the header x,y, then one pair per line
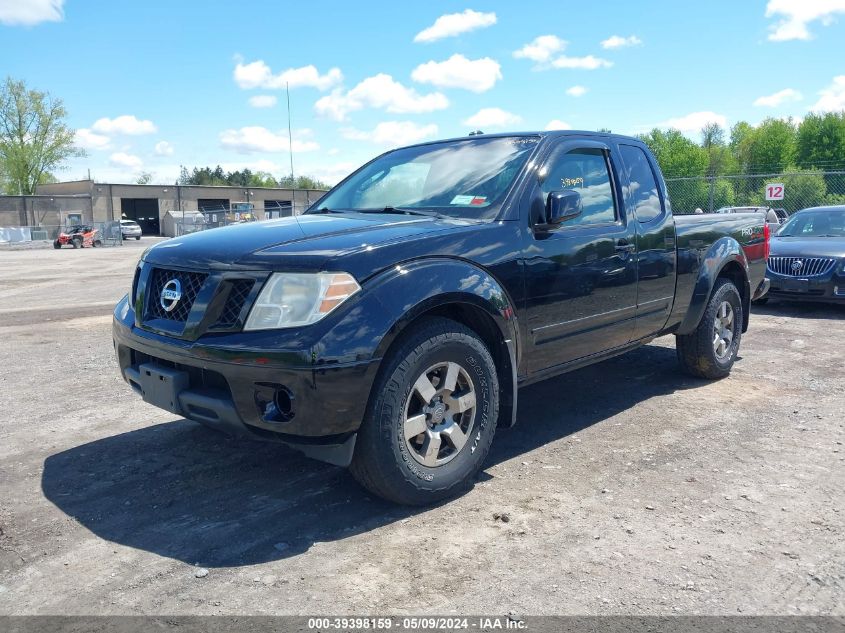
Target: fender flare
x,y
721,253
409,290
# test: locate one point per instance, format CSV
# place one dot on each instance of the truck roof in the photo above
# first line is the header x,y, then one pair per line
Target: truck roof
x,y
540,133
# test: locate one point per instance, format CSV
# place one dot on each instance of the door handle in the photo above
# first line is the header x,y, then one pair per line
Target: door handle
x,y
622,245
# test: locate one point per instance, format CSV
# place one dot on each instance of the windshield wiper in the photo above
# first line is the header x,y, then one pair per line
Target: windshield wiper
x,y
326,210
403,211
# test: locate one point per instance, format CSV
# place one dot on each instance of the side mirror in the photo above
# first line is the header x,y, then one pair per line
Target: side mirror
x,y
561,206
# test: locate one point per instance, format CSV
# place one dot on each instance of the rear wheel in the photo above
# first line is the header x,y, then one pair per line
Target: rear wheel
x,y
711,349
431,418
137,237
57,244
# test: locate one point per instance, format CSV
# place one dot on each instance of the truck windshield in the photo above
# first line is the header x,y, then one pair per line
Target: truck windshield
x,y
467,178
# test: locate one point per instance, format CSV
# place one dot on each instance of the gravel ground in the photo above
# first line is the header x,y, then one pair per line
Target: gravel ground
x,y
626,488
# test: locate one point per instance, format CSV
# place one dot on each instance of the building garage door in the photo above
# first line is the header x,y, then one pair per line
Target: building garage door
x,y
277,209
144,211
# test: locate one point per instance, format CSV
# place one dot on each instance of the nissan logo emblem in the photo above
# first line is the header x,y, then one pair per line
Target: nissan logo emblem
x,y
170,295
797,265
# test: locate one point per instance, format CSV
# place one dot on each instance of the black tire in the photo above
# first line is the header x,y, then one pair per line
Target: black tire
x,y
57,244
137,237
761,302
387,464
77,242
97,243
697,351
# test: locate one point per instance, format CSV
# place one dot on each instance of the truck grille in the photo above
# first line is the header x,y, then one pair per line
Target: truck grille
x,y
234,304
190,286
800,266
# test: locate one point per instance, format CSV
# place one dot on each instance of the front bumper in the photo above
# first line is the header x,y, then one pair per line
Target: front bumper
x,y
266,394
825,288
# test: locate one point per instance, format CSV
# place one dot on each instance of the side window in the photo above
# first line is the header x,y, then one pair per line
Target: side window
x,y
585,171
641,190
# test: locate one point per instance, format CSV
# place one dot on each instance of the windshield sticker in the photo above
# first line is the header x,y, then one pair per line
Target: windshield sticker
x,y
461,200
571,182
476,200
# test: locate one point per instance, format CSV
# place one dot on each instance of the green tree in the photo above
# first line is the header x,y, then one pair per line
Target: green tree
x,y
145,178
771,147
34,136
681,158
821,141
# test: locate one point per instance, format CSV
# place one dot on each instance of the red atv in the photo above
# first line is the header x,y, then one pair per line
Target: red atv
x,y
78,236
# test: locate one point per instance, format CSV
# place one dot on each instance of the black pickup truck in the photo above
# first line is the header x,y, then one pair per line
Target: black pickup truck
x,y
389,327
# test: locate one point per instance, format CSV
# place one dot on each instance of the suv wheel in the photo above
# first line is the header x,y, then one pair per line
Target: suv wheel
x,y
431,418
711,349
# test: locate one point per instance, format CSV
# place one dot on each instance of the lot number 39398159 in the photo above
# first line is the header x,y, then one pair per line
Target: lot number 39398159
x,y
774,191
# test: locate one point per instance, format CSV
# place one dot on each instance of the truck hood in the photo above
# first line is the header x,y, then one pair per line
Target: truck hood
x,y
808,246
305,242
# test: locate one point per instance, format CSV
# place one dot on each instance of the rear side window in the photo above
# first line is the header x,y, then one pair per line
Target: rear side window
x,y
641,190
585,171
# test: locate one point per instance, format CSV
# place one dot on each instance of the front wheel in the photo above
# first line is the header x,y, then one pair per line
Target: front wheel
x,y
137,237
57,244
711,349
77,242
431,418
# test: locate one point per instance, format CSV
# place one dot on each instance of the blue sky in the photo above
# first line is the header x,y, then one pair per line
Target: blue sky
x,y
155,85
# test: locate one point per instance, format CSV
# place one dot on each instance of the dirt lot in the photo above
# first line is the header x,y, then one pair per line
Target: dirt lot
x,y
627,487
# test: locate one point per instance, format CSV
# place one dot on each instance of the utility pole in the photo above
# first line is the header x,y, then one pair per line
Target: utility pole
x,y
290,151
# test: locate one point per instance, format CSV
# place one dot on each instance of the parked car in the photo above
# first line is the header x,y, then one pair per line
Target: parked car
x,y
772,216
807,261
78,236
783,216
130,228
389,327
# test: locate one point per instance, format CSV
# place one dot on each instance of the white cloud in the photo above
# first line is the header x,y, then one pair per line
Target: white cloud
x,y
334,151
557,124
332,174
453,24
86,139
392,133
257,74
163,148
130,161
796,15
382,92
617,41
541,48
263,101
832,98
589,62
477,75
576,91
694,121
259,139
30,12
781,96
126,124
492,118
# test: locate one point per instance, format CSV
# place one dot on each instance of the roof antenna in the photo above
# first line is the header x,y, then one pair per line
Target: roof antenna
x,y
476,133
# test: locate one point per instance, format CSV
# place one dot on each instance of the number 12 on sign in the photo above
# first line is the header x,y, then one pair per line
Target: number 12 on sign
x,y
774,191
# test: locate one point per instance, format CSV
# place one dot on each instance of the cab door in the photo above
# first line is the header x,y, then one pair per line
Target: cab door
x,y
581,277
647,210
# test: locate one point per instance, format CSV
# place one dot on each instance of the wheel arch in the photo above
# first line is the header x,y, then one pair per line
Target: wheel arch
x,y
725,259
466,294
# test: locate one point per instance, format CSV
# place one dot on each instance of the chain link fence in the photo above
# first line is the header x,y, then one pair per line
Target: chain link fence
x,y
800,189
101,233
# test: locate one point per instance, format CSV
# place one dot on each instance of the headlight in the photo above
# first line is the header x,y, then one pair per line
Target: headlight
x,y
295,299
